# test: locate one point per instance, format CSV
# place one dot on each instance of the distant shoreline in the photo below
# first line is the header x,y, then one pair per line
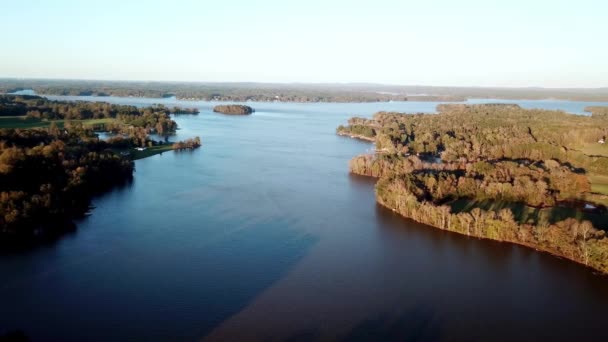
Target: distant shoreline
x,y
417,99
295,92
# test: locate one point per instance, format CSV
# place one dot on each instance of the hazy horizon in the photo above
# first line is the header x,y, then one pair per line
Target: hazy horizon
x,y
294,83
546,44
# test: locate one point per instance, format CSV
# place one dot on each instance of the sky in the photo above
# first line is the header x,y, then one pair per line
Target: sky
x,y
515,43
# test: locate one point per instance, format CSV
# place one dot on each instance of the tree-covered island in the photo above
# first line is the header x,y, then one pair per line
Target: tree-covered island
x,y
52,161
233,109
536,178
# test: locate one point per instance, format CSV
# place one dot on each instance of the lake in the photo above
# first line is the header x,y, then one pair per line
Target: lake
x,y
262,234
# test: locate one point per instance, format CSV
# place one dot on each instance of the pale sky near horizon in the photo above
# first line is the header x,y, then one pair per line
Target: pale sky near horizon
x,y
550,43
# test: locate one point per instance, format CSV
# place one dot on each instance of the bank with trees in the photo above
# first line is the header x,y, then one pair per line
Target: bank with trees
x,y
50,172
494,171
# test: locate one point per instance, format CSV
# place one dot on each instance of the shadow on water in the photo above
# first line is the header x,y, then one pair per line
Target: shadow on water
x,y
499,255
440,242
494,290
64,229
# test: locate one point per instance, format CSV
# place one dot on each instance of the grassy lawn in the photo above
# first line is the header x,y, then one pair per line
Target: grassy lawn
x,y
150,151
596,149
599,184
23,122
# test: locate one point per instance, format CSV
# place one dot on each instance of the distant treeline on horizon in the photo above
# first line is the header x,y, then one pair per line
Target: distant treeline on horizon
x,y
291,92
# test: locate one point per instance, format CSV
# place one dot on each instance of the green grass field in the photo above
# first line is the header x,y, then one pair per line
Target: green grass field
x,y
150,151
596,149
25,123
599,184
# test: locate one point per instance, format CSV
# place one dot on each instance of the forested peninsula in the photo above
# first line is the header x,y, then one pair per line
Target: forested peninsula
x,y
52,161
536,178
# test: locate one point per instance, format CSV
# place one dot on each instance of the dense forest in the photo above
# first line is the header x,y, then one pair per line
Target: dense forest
x,y
40,107
495,171
129,120
187,144
48,175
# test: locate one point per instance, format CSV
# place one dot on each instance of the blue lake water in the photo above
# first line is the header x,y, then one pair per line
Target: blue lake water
x,y
263,235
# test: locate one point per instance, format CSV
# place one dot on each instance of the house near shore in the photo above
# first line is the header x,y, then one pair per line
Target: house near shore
x,y
601,141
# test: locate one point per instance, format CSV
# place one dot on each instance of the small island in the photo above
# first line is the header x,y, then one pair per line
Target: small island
x,y
233,109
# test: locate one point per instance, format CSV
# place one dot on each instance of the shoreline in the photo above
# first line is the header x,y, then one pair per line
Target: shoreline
x,y
538,247
356,136
518,188
529,246
535,247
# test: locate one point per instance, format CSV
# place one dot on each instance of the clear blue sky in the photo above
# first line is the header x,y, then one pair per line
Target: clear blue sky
x,y
550,43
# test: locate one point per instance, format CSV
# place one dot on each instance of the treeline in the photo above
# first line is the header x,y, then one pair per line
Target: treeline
x,y
489,132
286,95
188,144
500,155
229,92
155,122
42,108
292,92
48,178
16,105
537,184
49,175
570,238
152,119
359,131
